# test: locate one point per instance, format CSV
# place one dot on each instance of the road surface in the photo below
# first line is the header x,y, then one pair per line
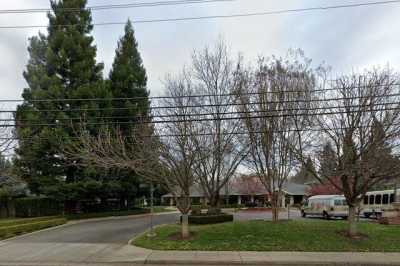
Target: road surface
x,y
83,242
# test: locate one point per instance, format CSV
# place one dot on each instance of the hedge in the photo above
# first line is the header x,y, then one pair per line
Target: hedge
x,y
36,207
210,219
106,214
9,231
12,222
223,206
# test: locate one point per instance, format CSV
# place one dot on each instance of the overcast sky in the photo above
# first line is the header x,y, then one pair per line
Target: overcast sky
x,y
346,39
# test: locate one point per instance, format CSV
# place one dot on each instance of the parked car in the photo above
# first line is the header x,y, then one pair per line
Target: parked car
x,y
327,206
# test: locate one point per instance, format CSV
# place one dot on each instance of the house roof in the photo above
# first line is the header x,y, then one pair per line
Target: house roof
x,y
295,189
197,191
242,190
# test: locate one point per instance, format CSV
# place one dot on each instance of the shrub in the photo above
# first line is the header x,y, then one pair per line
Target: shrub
x,y
196,210
210,219
11,222
106,214
251,204
231,206
37,206
9,231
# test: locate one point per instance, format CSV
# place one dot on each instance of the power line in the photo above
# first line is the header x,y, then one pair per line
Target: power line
x,y
308,129
150,98
109,7
214,105
234,104
103,123
140,117
239,15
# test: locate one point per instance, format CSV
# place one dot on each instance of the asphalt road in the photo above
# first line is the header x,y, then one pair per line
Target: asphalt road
x,y
95,241
103,241
118,230
265,215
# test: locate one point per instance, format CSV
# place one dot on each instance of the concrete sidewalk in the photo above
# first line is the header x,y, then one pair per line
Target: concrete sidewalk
x,y
130,255
270,258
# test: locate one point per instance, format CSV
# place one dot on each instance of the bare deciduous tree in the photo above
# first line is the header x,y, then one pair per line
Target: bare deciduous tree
x,y
179,152
274,99
219,148
168,160
362,125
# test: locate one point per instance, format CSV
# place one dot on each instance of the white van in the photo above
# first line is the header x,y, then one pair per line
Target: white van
x,y
327,206
377,202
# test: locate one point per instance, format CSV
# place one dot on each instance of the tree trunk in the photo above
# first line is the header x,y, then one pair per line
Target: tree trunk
x,y
352,221
185,226
275,207
214,201
214,205
275,214
11,208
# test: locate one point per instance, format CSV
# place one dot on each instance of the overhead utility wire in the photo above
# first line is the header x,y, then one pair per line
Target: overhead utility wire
x,y
192,120
200,95
202,106
238,15
140,117
222,133
109,7
215,105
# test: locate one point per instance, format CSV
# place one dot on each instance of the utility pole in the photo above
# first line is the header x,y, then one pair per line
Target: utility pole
x,y
151,233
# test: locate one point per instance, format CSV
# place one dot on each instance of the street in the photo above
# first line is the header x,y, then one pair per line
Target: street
x,y
88,241
96,241
265,215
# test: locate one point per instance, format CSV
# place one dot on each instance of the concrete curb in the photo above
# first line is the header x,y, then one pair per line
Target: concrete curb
x,y
130,242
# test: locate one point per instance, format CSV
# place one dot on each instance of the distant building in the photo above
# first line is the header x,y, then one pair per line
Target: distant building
x,y
244,191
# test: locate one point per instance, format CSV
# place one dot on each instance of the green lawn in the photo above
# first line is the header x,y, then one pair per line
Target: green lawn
x,y
309,235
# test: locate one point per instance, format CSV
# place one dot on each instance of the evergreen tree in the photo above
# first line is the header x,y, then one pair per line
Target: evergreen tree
x,y
328,161
128,80
62,65
380,154
304,176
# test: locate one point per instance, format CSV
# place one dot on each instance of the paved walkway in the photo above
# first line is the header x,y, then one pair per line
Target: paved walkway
x,y
113,255
271,258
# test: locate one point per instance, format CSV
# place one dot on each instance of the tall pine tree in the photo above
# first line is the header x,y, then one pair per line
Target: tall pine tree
x,y
62,65
328,161
304,176
128,80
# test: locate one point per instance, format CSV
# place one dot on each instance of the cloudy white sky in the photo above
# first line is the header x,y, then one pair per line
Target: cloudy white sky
x,y
346,39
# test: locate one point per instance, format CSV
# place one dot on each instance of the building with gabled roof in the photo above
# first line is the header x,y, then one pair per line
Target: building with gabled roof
x,y
247,190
